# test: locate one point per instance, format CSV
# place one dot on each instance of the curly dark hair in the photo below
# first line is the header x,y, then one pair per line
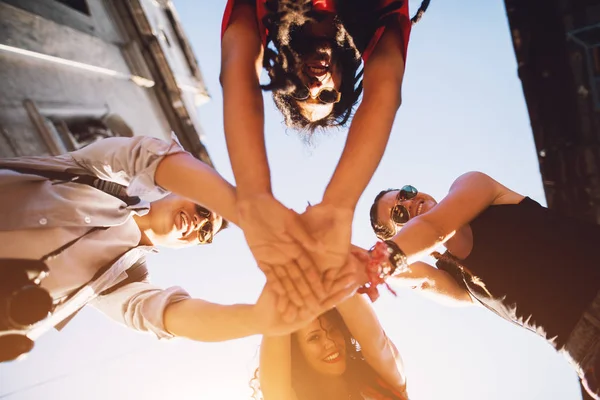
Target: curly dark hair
x,y
382,231
355,23
359,375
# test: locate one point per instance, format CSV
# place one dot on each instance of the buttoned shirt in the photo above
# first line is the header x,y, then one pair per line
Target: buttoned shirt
x,y
40,215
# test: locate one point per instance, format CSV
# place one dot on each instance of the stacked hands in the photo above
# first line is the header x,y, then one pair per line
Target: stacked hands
x,y
308,260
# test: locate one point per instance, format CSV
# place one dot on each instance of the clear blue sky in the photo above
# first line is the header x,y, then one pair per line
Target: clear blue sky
x,y
463,110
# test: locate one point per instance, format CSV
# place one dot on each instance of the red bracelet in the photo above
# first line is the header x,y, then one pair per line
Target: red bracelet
x,y
379,256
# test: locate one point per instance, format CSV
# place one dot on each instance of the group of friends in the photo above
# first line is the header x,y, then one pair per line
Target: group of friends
x,y
92,215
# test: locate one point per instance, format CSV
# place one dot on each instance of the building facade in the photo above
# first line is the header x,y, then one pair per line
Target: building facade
x,y
74,71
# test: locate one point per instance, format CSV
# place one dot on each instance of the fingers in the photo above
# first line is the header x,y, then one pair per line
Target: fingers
x,y
344,284
360,253
283,276
308,315
338,297
329,278
290,315
274,282
357,267
283,302
311,276
302,287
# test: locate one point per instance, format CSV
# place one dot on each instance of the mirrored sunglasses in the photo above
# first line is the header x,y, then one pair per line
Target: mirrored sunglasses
x,y
399,214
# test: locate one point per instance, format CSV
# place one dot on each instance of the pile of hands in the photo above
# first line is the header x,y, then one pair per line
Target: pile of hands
x,y
308,260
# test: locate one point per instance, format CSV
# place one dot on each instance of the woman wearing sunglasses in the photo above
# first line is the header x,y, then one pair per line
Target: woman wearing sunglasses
x,y
312,51
504,250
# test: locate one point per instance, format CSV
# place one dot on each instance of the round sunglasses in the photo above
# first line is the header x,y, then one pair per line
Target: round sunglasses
x,y
205,233
399,214
325,95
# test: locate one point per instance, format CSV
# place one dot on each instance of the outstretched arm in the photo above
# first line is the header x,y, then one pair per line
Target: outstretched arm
x,y
204,321
276,235
365,145
372,123
241,63
189,177
469,195
433,283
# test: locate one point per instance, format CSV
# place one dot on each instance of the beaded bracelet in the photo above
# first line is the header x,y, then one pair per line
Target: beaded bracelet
x,y
386,259
397,257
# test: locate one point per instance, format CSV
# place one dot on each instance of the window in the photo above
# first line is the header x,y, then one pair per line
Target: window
x,y
69,129
78,132
79,5
84,15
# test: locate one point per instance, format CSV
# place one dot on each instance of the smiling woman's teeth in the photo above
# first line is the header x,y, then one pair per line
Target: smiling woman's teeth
x,y
332,357
317,70
419,209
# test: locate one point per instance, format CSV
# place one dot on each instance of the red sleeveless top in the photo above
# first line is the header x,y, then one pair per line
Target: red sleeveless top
x,y
328,6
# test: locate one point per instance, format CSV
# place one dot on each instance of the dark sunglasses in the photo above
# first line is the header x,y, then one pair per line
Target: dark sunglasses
x,y
205,233
399,214
325,95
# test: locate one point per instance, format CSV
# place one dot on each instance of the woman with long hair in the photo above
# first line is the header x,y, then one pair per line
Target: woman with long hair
x,y
528,264
344,354
320,56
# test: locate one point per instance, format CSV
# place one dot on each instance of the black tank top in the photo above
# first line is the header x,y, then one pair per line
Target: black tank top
x,y
545,264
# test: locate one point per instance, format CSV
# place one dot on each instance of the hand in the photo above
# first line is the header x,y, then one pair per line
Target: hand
x,y
363,258
277,238
271,322
332,227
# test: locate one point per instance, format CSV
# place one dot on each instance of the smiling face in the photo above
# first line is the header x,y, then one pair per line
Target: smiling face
x,y
418,205
175,221
318,70
323,346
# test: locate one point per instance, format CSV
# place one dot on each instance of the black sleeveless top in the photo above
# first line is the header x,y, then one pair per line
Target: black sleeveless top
x,y
545,264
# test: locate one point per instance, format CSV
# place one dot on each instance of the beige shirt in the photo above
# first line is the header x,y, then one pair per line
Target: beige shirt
x,y
37,216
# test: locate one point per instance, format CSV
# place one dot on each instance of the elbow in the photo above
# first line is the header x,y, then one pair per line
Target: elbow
x,y
398,102
394,98
377,348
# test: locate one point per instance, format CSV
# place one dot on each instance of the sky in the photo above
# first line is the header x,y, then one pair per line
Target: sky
x,y
463,110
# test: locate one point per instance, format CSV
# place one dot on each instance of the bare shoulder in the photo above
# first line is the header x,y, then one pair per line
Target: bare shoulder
x,y
480,183
391,41
241,46
242,29
387,60
243,13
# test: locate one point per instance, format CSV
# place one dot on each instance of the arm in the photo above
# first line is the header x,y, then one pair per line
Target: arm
x,y
469,195
241,63
275,234
372,123
275,368
204,321
148,166
172,313
433,283
376,347
177,172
